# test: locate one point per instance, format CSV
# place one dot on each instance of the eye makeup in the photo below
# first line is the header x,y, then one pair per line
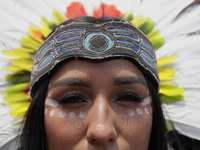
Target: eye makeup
x,y
130,90
72,97
129,95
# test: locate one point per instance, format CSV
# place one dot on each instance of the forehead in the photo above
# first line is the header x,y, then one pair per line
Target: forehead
x,y
108,68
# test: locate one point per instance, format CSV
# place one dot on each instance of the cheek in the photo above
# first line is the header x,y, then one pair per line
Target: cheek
x,y
63,127
136,124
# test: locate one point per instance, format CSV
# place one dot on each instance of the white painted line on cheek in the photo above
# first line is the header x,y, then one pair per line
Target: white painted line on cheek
x,y
146,110
151,110
82,115
62,115
51,102
131,112
148,91
49,95
139,111
147,101
72,114
52,113
46,110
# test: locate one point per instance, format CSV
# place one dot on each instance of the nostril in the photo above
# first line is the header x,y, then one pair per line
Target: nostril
x,y
112,140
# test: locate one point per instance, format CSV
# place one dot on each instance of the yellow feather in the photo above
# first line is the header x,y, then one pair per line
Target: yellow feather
x,y
36,33
58,17
25,49
170,99
16,97
18,104
13,69
171,90
46,31
26,64
166,73
17,54
19,111
29,42
138,20
164,61
153,33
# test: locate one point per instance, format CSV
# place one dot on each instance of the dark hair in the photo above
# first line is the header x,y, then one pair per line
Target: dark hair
x,y
33,134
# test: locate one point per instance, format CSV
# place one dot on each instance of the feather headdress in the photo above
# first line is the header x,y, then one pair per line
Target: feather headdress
x,y
171,26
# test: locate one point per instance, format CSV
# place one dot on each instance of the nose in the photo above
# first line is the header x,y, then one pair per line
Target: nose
x,y
101,129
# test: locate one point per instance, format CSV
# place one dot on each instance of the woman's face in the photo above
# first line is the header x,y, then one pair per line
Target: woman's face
x,y
98,106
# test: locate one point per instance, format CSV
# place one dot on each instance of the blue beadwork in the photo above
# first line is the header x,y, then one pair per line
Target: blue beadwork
x,y
147,59
59,38
134,37
45,49
119,29
59,51
135,47
46,61
147,47
90,35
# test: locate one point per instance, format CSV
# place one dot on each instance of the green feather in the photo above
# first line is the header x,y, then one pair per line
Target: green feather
x,y
18,78
16,88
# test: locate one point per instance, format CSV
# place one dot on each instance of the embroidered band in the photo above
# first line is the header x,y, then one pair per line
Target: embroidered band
x,y
113,39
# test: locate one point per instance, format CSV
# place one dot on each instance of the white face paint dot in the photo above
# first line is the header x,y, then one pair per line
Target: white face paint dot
x,y
131,112
52,113
46,110
139,111
82,115
151,110
72,114
62,115
146,110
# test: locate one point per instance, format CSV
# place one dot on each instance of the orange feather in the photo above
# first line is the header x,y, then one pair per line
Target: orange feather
x,y
75,9
105,10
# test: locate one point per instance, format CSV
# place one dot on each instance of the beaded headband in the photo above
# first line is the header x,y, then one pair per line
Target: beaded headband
x,y
114,39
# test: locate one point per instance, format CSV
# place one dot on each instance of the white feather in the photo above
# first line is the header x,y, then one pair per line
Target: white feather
x,y
17,15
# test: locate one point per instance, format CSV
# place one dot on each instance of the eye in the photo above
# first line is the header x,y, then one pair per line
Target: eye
x,y
73,97
129,95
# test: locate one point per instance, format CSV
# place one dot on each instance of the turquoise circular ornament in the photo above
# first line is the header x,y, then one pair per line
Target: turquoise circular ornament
x,y
98,42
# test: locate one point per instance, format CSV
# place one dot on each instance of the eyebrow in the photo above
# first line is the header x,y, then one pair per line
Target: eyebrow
x,y
71,82
128,80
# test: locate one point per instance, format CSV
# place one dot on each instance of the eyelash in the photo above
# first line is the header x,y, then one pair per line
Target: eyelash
x,y
72,98
129,96
78,98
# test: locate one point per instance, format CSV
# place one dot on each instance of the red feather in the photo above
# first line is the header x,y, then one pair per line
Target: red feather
x,y
75,9
105,10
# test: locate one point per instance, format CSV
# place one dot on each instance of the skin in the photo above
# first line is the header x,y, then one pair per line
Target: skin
x,y
107,124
